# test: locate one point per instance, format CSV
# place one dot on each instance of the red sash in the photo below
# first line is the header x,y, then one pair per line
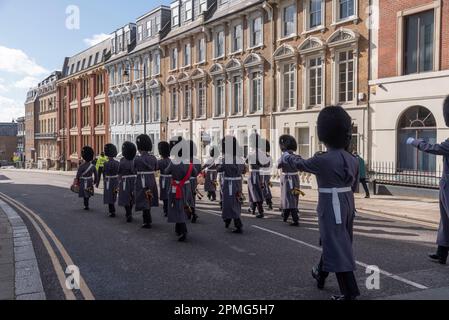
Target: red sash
x,y
181,183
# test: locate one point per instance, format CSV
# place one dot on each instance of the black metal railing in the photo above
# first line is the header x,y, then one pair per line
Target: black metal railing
x,y
388,173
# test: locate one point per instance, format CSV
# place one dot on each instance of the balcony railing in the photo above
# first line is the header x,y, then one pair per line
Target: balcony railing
x,y
41,136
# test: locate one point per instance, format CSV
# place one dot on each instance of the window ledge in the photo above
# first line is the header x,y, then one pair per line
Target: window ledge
x,y
237,115
259,46
202,118
219,58
221,117
353,19
286,38
321,29
199,63
234,53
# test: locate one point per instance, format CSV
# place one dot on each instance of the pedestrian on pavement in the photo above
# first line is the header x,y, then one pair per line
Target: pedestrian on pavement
x,y
266,176
232,166
441,149
127,178
180,199
362,174
337,176
255,181
86,176
146,192
290,183
193,179
111,168
101,160
164,180
210,174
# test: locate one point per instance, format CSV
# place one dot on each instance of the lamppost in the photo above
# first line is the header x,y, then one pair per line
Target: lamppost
x,y
126,74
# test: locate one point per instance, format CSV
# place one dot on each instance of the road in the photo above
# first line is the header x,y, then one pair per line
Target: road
x,y
271,260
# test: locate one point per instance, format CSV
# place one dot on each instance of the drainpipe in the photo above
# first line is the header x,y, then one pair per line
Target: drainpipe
x,y
369,133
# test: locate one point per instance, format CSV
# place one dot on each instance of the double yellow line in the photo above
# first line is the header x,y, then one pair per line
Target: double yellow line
x,y
47,236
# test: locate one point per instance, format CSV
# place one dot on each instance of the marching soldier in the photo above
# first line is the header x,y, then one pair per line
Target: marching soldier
x,y
193,179
255,182
180,198
337,177
164,180
289,182
87,176
442,150
127,178
146,192
266,177
110,182
210,173
232,167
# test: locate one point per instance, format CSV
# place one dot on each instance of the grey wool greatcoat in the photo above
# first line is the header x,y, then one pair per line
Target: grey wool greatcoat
x,y
146,167
193,179
255,181
441,149
87,176
210,170
110,181
127,181
289,181
164,180
177,207
266,177
334,170
231,187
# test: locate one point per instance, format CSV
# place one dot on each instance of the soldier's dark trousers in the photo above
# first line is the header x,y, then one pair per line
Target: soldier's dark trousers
x,y
165,206
443,252
237,223
293,212
147,216
212,195
129,211
86,203
258,205
111,208
348,284
180,228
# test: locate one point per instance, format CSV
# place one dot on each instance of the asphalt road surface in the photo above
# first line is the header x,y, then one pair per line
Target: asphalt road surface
x,y
271,260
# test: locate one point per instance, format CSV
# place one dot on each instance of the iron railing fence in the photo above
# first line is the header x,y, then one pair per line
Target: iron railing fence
x,y
388,173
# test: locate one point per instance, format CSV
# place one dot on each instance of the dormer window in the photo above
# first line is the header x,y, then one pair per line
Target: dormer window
x,y
203,5
149,28
139,33
157,27
175,16
188,10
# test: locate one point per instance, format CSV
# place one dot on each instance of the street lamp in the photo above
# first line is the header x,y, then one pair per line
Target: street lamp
x,y
126,74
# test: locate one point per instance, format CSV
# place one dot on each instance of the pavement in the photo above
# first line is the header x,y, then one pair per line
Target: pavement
x,y
271,260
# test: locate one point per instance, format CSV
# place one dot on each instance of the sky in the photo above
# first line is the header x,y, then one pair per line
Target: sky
x,y
36,36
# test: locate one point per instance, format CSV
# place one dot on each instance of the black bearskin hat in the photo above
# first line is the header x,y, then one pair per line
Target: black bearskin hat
x,y
110,150
129,150
87,153
213,151
446,111
193,149
144,143
288,143
335,127
164,149
229,144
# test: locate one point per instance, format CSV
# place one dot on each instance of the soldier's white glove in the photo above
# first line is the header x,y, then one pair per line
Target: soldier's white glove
x,y
410,140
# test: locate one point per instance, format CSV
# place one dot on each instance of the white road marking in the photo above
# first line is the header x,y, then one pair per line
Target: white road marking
x,y
385,273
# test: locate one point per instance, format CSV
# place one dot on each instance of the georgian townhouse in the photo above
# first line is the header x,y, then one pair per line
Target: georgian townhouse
x,y
410,79
31,112
321,58
46,131
83,113
185,65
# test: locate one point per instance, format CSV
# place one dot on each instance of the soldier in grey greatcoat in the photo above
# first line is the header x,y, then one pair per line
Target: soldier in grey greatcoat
x,y
164,180
289,182
146,192
211,174
232,166
337,177
441,149
193,179
266,173
255,181
127,179
110,180
180,197
87,176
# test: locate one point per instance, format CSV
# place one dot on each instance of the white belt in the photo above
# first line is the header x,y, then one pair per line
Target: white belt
x,y
108,180
166,175
126,177
230,185
335,200
289,176
289,173
178,182
163,180
142,176
85,181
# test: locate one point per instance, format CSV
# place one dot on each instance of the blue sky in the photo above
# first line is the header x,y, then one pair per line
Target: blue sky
x,y
34,39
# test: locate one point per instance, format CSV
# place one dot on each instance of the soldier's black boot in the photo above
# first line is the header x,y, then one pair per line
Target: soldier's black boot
x,y
227,223
238,226
146,219
319,275
348,286
111,211
260,210
86,204
213,196
441,255
165,208
285,215
270,204
194,216
129,214
182,232
295,216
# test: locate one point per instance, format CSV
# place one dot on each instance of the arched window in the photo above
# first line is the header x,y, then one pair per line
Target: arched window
x,y
419,123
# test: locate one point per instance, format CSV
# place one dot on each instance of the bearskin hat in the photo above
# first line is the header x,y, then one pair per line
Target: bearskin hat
x,y
144,143
446,111
129,150
164,149
110,150
87,153
288,143
229,144
335,127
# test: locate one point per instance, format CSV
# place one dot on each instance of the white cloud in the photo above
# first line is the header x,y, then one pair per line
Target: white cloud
x,y
17,61
26,83
3,87
96,39
10,109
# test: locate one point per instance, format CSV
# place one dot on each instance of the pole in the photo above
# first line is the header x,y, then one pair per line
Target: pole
x,y
144,98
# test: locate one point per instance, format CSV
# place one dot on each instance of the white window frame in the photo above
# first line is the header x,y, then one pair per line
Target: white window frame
x,y
201,105
156,105
202,6
251,43
188,13
138,109
335,78
307,82
282,20
307,27
175,17
140,33
223,98
201,50
239,48
259,108
174,106
174,59
232,95
281,75
187,55
187,102
156,63
216,44
336,12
